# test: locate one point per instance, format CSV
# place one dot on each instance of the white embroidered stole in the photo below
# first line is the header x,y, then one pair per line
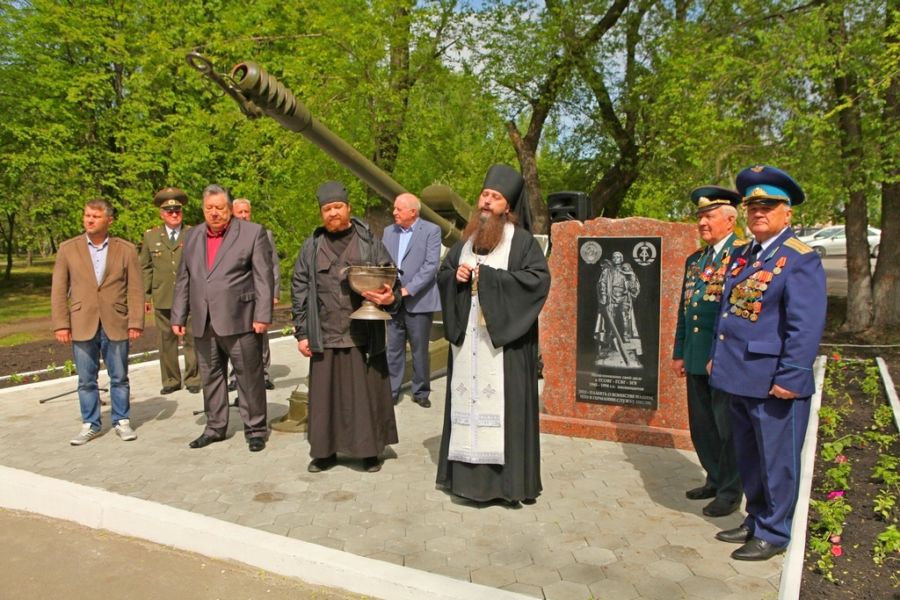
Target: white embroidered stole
x,y
477,387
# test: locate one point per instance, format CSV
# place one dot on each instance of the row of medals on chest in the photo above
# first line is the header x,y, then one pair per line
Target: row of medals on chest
x,y
746,296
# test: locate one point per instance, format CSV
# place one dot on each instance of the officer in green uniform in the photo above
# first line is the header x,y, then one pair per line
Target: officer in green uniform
x,y
709,414
160,257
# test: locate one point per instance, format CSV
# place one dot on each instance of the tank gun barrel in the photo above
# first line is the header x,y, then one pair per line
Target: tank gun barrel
x,y
259,93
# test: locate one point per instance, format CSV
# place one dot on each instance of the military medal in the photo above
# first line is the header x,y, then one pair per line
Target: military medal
x,y
779,264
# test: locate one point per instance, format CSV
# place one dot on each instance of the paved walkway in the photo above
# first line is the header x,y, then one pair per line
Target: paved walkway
x,y
612,522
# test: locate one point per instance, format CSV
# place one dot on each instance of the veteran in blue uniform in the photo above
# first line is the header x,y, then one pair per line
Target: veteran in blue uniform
x,y
768,331
709,412
160,256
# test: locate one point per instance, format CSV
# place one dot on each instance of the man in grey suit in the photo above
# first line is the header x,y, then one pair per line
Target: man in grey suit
x,y
415,247
225,283
243,210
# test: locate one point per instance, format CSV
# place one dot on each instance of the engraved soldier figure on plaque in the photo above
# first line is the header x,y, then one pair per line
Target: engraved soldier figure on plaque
x,y
618,341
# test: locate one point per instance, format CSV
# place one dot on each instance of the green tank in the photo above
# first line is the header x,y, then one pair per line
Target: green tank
x,y
260,94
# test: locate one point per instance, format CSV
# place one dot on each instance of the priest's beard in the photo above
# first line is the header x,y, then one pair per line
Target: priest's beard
x,y
486,231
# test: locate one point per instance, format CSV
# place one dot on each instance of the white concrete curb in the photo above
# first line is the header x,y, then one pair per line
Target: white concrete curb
x,y
792,569
99,509
889,390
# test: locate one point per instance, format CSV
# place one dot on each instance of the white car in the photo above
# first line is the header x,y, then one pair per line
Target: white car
x,y
832,241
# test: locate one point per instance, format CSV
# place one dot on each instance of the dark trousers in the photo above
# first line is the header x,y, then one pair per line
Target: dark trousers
x,y
709,415
169,369
768,438
244,350
415,327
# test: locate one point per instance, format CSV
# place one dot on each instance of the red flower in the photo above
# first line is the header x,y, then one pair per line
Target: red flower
x,y
835,539
835,494
840,459
836,550
835,356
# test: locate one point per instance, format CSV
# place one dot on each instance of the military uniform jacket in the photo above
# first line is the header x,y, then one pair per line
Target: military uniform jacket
x,y
160,258
701,293
770,321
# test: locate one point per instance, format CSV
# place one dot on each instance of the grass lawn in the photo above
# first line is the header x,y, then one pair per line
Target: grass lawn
x,y
26,294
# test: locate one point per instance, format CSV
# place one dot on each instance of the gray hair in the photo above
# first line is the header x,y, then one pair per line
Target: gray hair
x,y
215,188
412,199
729,211
242,201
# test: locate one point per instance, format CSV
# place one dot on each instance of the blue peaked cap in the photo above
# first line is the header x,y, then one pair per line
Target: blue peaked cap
x,y
767,184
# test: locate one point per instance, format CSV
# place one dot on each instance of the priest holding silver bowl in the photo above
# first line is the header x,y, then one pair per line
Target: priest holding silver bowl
x,y
342,333
374,284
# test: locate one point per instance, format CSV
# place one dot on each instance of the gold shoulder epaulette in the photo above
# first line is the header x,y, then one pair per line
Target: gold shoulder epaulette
x,y
739,243
797,245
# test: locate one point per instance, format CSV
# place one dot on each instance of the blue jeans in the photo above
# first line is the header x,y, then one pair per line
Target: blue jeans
x,y
87,362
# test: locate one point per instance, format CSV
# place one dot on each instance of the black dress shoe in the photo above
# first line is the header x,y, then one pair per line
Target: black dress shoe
x,y
371,464
721,507
738,535
194,389
169,389
256,444
757,549
269,385
317,465
203,441
701,493
423,402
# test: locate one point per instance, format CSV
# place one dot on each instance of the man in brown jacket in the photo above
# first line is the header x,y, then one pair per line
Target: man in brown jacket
x,y
96,303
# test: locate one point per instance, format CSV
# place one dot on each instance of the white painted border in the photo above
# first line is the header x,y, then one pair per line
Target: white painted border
x,y
792,569
99,509
889,389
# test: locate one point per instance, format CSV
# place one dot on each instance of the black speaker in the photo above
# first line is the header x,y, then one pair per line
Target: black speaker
x,y
569,206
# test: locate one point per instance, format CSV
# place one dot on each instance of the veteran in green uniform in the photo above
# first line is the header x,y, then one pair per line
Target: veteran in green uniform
x,y
708,412
160,257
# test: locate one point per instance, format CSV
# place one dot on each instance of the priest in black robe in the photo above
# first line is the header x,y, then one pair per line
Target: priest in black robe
x,y
351,411
493,284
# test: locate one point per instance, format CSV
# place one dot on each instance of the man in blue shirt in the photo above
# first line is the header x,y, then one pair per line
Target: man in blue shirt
x,y
769,326
415,247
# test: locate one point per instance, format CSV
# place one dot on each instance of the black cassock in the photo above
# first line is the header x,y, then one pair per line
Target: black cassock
x,y
511,301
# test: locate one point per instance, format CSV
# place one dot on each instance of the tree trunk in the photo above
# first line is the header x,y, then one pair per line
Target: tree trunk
x,y
526,153
388,129
886,286
859,277
11,227
608,195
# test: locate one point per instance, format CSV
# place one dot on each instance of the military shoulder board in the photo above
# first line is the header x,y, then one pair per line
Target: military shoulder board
x,y
739,243
797,245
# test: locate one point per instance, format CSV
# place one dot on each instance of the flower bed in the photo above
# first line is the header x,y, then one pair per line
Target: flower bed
x,y
853,541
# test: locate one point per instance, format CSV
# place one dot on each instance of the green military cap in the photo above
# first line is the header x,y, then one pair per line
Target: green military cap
x,y
170,197
708,197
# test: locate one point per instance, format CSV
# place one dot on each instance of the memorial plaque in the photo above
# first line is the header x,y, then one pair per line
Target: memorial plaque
x,y
618,314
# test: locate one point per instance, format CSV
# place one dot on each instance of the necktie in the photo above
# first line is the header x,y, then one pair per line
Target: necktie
x,y
173,235
755,249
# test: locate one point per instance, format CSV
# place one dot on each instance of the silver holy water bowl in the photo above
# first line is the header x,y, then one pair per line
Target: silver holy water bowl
x,y
364,278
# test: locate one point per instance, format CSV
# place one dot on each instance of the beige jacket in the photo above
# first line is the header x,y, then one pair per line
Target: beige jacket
x,y
79,304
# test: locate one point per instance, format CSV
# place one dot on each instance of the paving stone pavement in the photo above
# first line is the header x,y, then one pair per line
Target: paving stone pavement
x,y
612,521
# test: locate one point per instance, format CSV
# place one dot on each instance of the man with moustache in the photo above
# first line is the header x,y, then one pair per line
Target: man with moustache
x,y
350,407
769,326
160,257
415,247
709,413
96,304
493,284
225,284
